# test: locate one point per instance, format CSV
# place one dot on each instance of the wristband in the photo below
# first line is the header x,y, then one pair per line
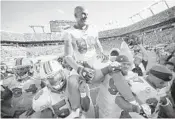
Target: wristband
x,y
83,95
168,102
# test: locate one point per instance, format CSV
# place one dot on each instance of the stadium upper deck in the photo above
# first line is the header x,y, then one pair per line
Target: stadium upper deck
x,y
160,19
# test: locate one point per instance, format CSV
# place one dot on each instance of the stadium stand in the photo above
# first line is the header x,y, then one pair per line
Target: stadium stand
x,y
153,30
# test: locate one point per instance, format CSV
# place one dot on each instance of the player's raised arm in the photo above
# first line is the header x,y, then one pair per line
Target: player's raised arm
x,y
99,48
144,52
98,45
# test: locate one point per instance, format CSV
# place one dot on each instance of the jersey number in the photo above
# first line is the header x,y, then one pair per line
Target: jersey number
x,y
113,89
63,112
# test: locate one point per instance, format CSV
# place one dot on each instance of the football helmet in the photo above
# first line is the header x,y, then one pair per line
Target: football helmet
x,y
23,68
54,75
3,67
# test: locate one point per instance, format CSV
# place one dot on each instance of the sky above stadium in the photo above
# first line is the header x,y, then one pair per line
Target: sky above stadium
x,y
16,16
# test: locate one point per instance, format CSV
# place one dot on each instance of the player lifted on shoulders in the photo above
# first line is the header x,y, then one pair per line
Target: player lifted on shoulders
x,y
81,43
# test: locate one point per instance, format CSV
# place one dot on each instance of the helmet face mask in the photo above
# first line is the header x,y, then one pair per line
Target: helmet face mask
x,y
21,71
57,81
23,68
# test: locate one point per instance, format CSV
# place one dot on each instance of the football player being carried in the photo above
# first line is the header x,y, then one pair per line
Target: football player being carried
x,y
22,85
54,100
81,45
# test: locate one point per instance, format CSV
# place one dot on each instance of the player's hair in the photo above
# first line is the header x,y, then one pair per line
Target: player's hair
x,y
114,53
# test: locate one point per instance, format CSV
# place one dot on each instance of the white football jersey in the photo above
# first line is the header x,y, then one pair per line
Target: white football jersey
x,y
83,42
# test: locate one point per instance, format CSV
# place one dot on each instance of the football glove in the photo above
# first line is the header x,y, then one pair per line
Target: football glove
x,y
86,73
145,110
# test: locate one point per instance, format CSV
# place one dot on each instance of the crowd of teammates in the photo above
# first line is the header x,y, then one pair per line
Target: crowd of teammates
x,y
59,87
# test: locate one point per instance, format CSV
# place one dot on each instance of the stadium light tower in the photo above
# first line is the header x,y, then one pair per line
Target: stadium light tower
x,y
166,3
33,28
151,10
140,16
